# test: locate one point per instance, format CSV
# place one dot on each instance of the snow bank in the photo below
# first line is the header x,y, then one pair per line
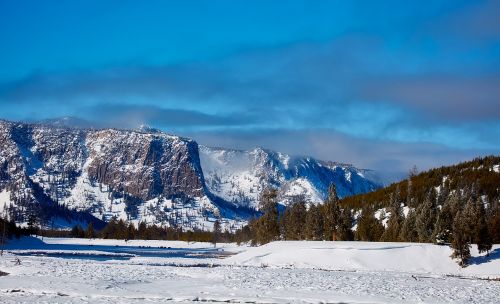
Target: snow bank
x,y
367,256
39,243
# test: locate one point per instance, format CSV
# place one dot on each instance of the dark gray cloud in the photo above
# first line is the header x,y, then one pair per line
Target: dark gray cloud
x,y
391,159
132,116
320,74
306,85
447,97
479,21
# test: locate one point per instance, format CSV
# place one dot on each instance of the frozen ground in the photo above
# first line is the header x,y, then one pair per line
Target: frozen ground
x,y
281,272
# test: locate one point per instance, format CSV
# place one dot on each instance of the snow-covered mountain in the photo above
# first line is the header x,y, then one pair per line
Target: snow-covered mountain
x,y
66,174
240,176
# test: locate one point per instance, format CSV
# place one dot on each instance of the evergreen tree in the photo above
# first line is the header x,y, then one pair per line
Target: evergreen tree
x,y
408,231
331,214
90,233
284,225
469,216
482,235
131,231
368,228
109,232
121,230
391,234
459,242
216,232
494,220
344,230
267,225
314,223
410,199
444,193
77,232
455,201
294,220
444,224
426,218
32,223
142,231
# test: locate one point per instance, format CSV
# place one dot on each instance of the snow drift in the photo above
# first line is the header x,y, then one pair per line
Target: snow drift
x,y
368,256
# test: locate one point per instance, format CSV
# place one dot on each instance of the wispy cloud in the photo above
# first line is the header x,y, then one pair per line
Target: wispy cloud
x,y
416,78
392,159
131,116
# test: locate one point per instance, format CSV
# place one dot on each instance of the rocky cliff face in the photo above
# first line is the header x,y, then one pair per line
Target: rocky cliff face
x,y
144,165
149,176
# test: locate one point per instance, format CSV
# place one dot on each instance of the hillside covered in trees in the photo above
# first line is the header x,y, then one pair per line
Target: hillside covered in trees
x,y
456,205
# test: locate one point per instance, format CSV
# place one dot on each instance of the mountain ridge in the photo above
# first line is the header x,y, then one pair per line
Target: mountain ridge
x,y
149,175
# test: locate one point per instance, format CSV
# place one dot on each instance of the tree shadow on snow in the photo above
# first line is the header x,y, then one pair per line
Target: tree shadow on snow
x,y
477,260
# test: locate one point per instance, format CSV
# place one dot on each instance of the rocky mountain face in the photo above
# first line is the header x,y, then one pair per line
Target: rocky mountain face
x,y
240,176
60,175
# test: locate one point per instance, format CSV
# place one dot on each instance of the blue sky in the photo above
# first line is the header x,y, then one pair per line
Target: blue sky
x,y
383,85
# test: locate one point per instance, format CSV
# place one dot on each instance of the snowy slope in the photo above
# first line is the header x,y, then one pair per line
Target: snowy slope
x,y
368,256
240,176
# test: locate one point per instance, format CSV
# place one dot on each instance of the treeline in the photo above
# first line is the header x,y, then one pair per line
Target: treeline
x,y
121,230
9,230
327,221
43,210
479,172
456,216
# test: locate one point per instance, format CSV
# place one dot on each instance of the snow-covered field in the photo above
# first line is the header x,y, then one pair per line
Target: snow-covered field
x,y
280,272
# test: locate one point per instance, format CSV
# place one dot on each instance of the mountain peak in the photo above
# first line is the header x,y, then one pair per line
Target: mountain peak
x,y
148,175
147,129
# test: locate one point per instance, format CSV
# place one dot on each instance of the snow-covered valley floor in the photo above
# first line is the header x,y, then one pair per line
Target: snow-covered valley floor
x,y
280,272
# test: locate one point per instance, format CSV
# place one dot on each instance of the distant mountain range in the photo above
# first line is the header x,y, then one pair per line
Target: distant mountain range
x,y
62,174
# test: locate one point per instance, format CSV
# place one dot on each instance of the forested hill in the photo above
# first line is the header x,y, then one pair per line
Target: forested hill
x,y
481,175
457,205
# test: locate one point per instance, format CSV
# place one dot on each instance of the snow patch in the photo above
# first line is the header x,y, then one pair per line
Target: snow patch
x,y
4,200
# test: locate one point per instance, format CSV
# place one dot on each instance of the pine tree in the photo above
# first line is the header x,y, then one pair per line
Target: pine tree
x,y
121,230
32,223
142,231
408,231
344,230
368,228
283,223
131,231
267,225
470,216
391,234
444,224
77,232
294,220
494,220
482,235
216,233
410,200
314,223
459,242
90,233
426,218
331,214
109,231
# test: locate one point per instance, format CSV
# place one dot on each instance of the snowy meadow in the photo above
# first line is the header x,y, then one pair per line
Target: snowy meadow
x,y
58,270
